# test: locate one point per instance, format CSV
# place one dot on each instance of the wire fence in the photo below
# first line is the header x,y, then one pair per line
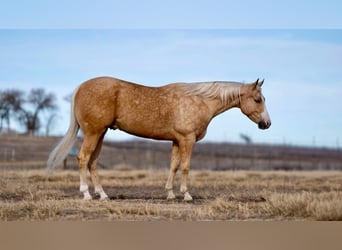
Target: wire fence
x,y
32,152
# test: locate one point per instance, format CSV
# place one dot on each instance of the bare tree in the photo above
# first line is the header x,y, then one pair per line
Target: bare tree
x,y
4,111
27,109
246,138
11,103
39,101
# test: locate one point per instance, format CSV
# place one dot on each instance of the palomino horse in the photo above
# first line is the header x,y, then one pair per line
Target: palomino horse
x,y
178,112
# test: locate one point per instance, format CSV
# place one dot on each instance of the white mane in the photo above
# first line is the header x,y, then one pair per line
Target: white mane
x,y
226,91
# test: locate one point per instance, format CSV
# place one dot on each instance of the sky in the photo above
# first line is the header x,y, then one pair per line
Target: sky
x,y
301,64
170,14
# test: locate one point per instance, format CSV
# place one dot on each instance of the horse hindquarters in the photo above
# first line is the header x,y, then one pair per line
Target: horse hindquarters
x,y
93,109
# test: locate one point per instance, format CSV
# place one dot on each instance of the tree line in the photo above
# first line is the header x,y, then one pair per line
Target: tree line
x,y
27,109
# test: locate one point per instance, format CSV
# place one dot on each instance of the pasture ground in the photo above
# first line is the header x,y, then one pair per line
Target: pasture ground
x,y
139,195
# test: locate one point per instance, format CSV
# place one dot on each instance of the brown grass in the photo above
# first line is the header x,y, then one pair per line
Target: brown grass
x,y
139,195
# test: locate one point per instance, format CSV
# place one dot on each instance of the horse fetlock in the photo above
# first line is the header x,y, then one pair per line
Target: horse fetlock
x,y
168,186
183,189
103,195
86,196
83,188
171,195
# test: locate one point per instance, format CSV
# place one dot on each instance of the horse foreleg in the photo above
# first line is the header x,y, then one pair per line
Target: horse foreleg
x,y
175,160
93,173
185,153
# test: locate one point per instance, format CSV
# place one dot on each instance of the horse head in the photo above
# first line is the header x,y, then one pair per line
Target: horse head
x,y
252,104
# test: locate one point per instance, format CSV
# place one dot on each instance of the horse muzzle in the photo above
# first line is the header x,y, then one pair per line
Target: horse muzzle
x,y
264,124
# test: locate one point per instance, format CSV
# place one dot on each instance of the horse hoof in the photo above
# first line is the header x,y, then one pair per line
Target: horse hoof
x,y
187,197
104,198
171,196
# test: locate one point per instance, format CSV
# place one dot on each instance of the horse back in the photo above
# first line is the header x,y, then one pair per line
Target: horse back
x,y
152,112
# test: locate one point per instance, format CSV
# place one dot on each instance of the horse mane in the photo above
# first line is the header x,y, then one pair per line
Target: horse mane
x,y
226,91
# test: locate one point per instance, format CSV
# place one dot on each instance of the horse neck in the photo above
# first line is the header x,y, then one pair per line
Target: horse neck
x,y
231,101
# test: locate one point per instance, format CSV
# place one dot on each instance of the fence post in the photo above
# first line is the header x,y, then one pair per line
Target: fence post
x,y
13,154
5,154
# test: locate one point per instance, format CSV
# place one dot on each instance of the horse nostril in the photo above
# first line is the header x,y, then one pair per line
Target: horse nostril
x,y
264,124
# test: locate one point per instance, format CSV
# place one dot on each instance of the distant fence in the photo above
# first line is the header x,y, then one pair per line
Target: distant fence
x,y
9,154
142,154
32,152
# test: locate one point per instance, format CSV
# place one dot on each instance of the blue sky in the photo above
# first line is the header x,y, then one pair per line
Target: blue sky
x,y
170,14
301,65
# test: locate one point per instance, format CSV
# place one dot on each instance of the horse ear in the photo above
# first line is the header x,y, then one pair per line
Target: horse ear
x,y
258,83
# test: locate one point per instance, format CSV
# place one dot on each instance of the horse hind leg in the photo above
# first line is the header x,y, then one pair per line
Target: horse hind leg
x,y
93,173
85,159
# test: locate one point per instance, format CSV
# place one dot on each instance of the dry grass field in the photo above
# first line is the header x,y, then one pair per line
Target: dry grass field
x,y
227,181
138,195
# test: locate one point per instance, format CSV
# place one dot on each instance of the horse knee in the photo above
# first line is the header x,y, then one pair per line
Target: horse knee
x,y
185,170
175,169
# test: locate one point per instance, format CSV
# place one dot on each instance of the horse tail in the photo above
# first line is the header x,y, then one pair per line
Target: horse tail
x,y
60,152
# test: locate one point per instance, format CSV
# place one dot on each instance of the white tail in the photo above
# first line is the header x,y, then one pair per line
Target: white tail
x,y
60,152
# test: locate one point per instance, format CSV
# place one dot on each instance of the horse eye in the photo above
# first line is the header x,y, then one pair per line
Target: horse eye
x,y
257,100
